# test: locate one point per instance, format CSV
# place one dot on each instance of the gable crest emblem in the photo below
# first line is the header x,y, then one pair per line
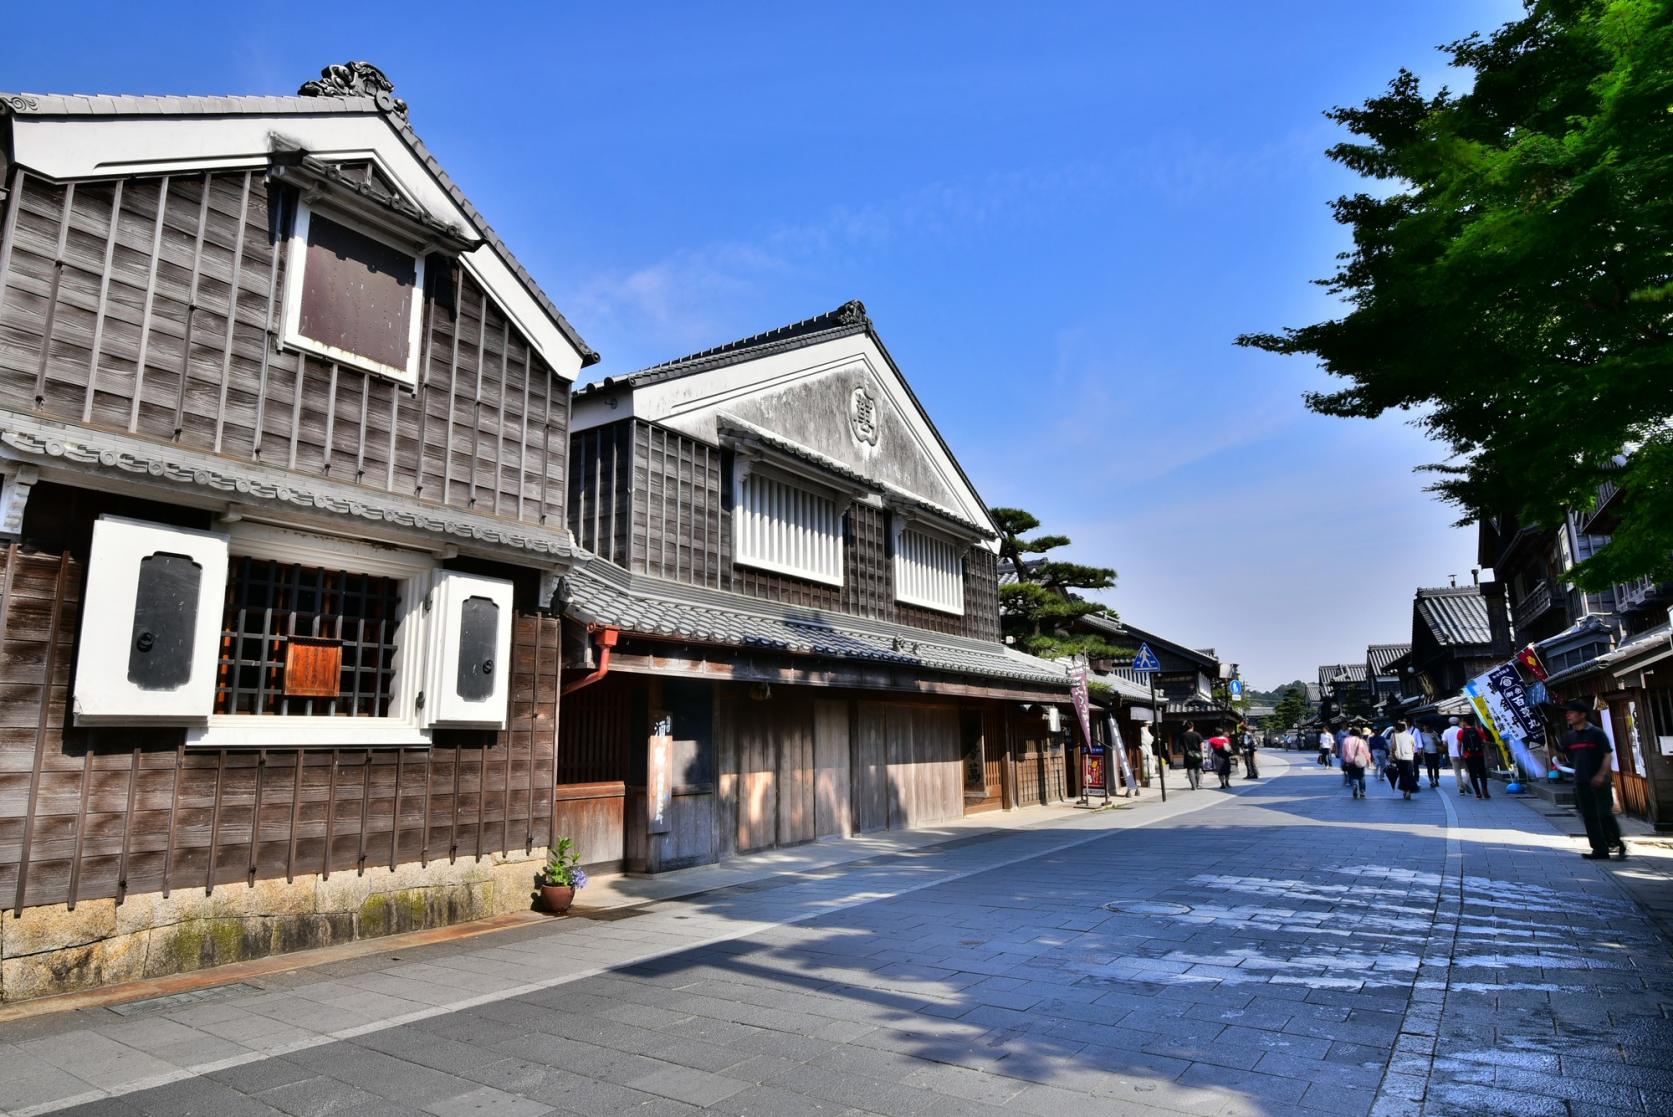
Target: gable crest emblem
x,y
862,415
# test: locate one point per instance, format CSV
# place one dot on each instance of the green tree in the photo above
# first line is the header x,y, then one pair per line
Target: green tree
x,y
1291,707
1037,612
1510,282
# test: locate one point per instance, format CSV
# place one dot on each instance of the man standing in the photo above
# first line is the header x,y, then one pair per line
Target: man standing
x,y
1326,744
1589,755
1455,754
1190,750
1249,753
1472,743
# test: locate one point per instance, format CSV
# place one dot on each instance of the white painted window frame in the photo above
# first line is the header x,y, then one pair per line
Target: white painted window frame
x,y
296,262
742,523
415,570
904,526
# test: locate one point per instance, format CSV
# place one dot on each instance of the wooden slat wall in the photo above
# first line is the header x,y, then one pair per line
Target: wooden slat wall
x,y
677,507
601,489
681,529
153,306
832,782
594,742
100,813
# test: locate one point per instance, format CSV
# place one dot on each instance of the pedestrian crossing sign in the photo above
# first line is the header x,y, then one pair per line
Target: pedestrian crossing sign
x,y
1146,660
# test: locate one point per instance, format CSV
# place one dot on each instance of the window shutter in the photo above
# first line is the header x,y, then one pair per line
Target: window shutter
x,y
929,571
469,684
151,625
784,527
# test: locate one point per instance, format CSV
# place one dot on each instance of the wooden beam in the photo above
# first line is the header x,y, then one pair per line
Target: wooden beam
x,y
820,673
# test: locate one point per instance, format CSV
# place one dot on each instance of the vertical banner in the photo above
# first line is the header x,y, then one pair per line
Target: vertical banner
x,y
659,783
1092,775
1501,702
1125,767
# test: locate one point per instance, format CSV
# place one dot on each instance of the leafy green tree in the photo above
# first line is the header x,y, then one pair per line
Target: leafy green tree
x,y
1510,282
1291,708
1038,611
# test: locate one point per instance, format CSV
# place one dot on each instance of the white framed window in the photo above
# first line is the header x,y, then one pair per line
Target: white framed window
x,y
929,570
267,637
786,527
352,296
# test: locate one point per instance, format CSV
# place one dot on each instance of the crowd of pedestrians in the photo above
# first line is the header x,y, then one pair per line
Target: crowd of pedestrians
x,y
1404,754
1219,753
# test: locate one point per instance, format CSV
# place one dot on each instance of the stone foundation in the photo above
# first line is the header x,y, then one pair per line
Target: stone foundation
x,y
52,949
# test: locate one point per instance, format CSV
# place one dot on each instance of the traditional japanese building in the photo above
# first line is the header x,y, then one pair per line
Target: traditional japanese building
x,y
788,628
1458,632
283,427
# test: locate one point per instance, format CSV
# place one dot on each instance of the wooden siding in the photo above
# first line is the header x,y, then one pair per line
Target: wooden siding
x,y
93,813
152,306
601,490
675,521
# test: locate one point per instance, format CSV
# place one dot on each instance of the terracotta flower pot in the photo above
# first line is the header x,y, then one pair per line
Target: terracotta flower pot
x,y
557,897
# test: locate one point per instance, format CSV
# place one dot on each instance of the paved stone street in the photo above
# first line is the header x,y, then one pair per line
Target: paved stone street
x,y
1278,949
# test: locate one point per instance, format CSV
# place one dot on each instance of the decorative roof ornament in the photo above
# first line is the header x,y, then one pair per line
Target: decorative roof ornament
x,y
356,79
853,313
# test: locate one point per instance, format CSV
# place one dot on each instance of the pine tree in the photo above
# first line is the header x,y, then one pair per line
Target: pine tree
x,y
1037,612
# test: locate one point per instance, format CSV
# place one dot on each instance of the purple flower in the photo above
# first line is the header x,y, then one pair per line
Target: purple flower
x,y
578,877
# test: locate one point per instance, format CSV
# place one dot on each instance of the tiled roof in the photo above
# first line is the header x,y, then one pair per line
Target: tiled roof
x,y
601,593
82,104
1650,640
1456,615
849,318
1349,673
1380,656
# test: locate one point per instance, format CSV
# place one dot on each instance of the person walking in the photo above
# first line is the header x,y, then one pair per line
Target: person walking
x,y
1454,754
1402,750
1379,753
1472,742
1429,746
1190,754
1327,744
1220,747
1356,755
1589,754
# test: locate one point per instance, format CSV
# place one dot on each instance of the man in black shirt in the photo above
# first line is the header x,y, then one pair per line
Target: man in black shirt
x,y
1190,748
1589,754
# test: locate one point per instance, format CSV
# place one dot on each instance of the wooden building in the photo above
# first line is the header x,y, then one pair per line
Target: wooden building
x,y
1632,686
283,429
788,629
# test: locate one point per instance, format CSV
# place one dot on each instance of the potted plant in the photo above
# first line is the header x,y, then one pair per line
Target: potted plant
x,y
561,877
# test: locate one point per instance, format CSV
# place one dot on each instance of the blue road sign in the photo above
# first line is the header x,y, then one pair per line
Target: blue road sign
x,y
1237,688
1146,660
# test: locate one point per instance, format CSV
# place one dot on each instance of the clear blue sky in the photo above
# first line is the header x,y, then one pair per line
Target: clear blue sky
x,y
1059,216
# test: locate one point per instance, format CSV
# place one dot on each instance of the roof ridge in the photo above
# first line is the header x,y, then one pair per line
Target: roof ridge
x,y
850,313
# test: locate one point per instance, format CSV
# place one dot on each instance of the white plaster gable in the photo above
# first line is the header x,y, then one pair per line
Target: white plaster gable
x,y
803,396
68,148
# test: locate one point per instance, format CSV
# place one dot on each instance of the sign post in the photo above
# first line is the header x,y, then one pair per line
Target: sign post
x,y
1146,664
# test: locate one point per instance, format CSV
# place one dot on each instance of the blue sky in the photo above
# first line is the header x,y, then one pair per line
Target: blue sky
x,y
1059,216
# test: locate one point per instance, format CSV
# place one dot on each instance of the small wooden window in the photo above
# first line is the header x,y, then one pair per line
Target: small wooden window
x,y
353,298
304,640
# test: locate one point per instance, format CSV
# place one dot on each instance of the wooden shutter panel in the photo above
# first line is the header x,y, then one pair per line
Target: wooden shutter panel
x,y
469,681
151,625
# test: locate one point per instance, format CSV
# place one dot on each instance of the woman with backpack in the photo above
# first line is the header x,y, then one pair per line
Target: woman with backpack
x,y
1356,755
1472,743
1220,747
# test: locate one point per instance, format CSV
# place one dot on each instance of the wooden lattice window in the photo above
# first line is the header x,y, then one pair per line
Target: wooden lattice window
x,y
290,631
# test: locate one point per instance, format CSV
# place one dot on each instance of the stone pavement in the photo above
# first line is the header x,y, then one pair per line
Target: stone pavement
x,y
1275,950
